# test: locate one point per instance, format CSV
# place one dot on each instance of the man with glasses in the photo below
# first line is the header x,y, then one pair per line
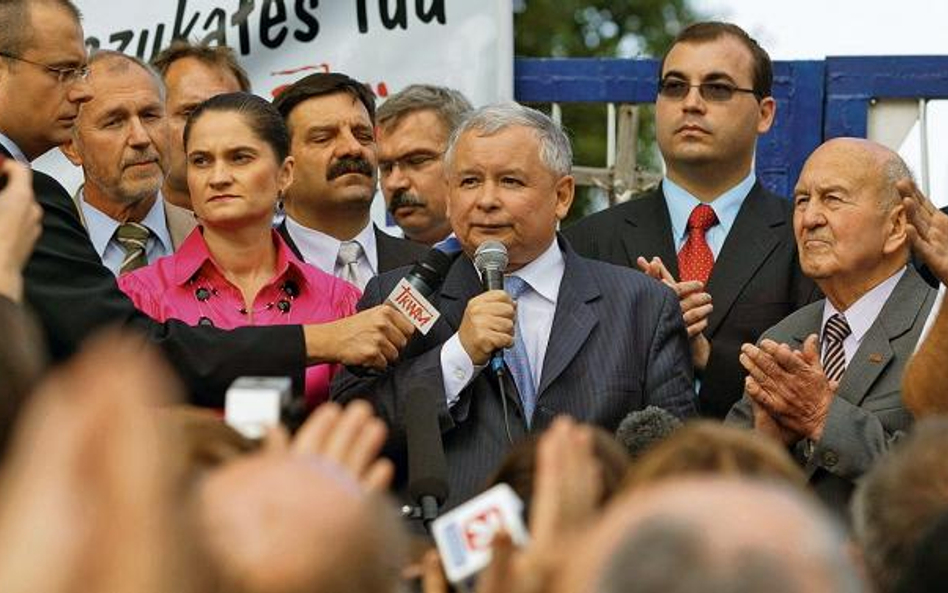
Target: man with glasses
x,y
414,125
710,230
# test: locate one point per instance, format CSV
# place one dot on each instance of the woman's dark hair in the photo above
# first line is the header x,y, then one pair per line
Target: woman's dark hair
x,y
260,115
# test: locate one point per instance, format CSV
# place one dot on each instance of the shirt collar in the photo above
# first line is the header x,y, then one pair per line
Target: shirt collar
x,y
726,206
545,273
863,313
13,149
321,249
194,254
101,227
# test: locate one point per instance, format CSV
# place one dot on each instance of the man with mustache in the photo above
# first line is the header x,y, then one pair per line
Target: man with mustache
x,y
331,118
827,380
414,126
711,229
121,141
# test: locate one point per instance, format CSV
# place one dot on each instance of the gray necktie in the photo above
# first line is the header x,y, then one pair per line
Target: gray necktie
x,y
348,262
133,237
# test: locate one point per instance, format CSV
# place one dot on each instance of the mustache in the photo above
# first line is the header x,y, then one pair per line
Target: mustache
x,y
350,165
402,199
146,157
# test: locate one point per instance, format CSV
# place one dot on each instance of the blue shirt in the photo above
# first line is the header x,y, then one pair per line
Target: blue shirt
x,y
726,206
101,228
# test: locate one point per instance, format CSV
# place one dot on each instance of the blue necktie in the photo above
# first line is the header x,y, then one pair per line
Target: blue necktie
x,y
516,358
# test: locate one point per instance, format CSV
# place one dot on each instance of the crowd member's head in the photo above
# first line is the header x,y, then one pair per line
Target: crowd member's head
x,y
120,138
714,100
519,466
286,524
706,447
238,163
899,499
713,535
331,119
192,74
414,125
509,180
42,73
848,219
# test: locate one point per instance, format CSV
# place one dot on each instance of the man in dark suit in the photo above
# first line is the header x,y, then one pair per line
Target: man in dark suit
x,y
331,119
592,340
42,83
827,380
722,239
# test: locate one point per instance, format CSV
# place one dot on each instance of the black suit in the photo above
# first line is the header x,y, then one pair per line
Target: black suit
x,y
392,252
756,280
73,295
617,344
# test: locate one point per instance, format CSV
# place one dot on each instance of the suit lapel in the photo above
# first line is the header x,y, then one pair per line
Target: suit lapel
x,y
180,223
875,353
460,285
651,232
755,234
573,320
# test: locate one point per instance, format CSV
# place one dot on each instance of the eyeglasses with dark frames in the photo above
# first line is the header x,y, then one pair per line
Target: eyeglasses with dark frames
x,y
63,75
717,92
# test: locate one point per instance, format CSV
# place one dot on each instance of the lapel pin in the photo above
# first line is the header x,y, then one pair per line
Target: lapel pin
x,y
875,357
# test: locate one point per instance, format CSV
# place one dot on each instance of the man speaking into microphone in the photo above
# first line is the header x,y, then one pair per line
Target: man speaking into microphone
x,y
576,336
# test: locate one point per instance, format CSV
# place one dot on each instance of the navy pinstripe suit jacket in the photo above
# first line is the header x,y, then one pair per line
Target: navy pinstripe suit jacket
x,y
617,344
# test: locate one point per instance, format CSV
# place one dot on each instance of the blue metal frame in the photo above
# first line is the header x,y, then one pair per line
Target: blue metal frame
x,y
853,82
816,100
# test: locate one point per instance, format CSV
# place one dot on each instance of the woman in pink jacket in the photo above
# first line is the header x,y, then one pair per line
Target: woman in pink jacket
x,y
234,269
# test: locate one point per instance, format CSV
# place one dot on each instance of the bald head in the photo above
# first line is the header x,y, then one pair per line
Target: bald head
x,y
743,532
848,220
283,524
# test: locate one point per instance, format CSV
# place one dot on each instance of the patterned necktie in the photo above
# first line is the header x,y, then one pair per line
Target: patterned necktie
x,y
348,263
133,237
516,357
695,260
834,356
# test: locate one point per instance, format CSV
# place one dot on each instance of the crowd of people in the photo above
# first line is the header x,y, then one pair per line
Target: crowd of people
x,y
708,387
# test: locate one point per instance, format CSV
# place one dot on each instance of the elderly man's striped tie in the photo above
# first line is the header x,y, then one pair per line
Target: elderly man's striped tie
x,y
834,356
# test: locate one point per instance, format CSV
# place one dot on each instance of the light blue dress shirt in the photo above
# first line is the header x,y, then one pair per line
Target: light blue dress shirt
x,y
101,228
726,206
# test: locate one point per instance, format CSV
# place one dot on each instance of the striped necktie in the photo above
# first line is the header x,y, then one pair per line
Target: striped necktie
x,y
133,237
834,356
516,358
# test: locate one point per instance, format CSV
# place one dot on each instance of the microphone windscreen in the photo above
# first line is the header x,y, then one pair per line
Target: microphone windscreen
x,y
427,466
642,429
491,256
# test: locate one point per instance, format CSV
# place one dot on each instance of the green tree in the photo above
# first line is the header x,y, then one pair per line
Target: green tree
x,y
598,28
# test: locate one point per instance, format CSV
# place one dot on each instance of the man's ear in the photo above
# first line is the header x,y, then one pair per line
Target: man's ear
x,y
768,110
71,151
565,190
897,235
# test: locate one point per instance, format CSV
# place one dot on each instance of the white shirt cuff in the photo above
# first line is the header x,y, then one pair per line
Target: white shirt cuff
x,y
457,369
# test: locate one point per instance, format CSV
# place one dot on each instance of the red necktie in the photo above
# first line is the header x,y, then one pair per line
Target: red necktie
x,y
695,259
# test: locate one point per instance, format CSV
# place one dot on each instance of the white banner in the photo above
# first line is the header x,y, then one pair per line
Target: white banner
x,y
388,44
